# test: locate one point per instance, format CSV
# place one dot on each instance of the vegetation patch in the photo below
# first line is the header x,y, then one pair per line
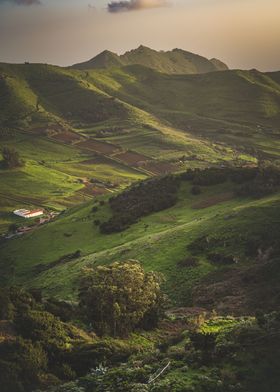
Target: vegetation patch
x,y
132,158
142,199
212,201
66,137
159,168
98,146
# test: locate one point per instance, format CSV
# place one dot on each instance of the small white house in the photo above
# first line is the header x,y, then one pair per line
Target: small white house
x,y
23,213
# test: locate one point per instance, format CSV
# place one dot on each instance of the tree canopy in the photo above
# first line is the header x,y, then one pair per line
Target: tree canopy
x,y
118,297
11,158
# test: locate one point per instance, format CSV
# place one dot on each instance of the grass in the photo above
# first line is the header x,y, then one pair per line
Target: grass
x,y
210,119
50,175
148,241
222,106
39,98
207,119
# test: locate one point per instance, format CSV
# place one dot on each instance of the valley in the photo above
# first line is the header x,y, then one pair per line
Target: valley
x,y
154,264
90,125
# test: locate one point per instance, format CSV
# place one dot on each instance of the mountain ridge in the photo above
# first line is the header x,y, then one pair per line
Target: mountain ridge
x,y
176,61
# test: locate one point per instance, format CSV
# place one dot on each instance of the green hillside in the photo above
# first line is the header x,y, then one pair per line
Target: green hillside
x,y
98,130
82,132
105,59
192,266
155,266
237,107
177,61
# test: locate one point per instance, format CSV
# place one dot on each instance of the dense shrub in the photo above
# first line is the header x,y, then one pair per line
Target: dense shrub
x,y
241,175
7,308
196,190
13,300
21,365
256,189
210,176
265,182
43,327
88,356
64,310
220,259
140,200
116,298
11,158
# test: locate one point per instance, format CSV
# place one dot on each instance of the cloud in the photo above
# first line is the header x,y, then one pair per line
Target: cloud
x,y
21,2
133,5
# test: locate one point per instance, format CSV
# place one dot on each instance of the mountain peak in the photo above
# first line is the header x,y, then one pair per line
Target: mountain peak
x,y
105,59
107,53
143,47
177,61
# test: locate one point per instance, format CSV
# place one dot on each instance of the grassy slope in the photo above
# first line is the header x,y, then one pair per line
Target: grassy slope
x,y
161,116
49,177
149,241
230,106
40,98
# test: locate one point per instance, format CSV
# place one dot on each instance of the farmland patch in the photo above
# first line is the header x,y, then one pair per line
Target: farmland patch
x,y
66,137
93,190
102,147
159,167
132,158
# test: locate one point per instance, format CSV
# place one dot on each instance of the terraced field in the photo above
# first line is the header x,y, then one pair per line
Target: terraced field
x,y
118,125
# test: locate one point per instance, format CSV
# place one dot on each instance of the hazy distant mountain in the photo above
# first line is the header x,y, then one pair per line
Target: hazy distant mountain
x,y
177,61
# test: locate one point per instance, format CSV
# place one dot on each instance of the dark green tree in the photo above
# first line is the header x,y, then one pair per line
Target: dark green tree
x,y
11,158
21,363
118,297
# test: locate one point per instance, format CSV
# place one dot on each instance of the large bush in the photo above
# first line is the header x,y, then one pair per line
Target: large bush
x,y
21,363
11,158
117,297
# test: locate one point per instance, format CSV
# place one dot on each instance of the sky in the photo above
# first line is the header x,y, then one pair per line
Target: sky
x,y
243,33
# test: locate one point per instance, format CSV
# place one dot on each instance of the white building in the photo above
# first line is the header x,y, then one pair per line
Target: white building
x,y
23,213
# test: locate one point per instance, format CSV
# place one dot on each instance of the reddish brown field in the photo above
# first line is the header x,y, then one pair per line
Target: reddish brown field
x,y
44,129
66,137
95,161
132,158
212,201
104,148
159,167
93,191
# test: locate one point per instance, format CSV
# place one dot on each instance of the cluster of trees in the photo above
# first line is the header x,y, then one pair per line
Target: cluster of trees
x,y
220,354
38,349
142,199
35,346
161,193
213,176
11,158
266,181
253,181
119,297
